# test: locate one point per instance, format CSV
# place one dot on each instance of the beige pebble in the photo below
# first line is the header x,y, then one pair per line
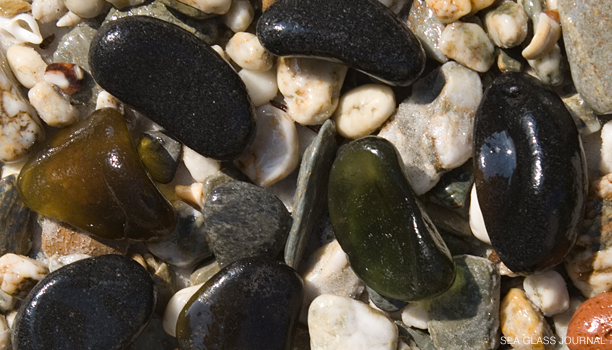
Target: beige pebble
x,y
63,239
363,110
468,44
20,273
507,24
522,326
246,51
27,65
52,107
449,11
85,8
240,15
261,86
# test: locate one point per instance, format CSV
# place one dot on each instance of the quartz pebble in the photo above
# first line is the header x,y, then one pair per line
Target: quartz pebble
x,y
20,128
363,110
368,224
311,87
548,292
416,315
468,44
20,273
85,8
548,67
477,224
246,51
101,289
449,11
507,24
47,11
15,216
591,323
186,245
328,272
605,164
561,322
52,107
587,44
522,326
337,323
589,263
428,28
131,47
239,16
467,315
547,33
432,130
62,239
27,65
311,192
345,31
176,305
97,174
508,125
199,166
56,261
261,85
250,304
261,232
274,153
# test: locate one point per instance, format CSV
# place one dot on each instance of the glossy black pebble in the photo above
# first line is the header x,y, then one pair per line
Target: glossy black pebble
x,y
251,304
529,173
101,303
178,81
363,34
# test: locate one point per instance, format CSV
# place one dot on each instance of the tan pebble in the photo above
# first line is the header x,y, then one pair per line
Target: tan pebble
x,y
139,259
522,326
20,273
449,11
27,65
266,3
10,8
62,239
590,327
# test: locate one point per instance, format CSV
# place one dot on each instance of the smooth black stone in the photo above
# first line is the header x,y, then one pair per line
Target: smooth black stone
x,y
530,173
101,303
363,34
251,304
176,80
243,220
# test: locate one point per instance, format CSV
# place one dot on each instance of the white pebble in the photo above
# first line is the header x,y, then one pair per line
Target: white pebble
x,y
274,153
217,7
85,8
46,11
246,50
175,306
5,334
547,33
340,323
10,317
477,224
311,87
449,11
239,16
106,100
328,272
605,164
507,24
468,44
199,167
16,270
27,65
261,86
548,292
69,19
52,107
218,49
416,315
23,28
551,5
363,110
58,261
548,67
562,320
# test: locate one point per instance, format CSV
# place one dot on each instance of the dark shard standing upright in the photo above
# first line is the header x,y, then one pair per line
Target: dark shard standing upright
x,y
363,34
530,173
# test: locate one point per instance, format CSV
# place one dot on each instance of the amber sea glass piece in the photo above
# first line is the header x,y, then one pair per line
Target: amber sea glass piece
x,y
90,176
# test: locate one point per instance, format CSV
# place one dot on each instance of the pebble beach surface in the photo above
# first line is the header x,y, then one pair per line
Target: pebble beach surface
x,y
305,174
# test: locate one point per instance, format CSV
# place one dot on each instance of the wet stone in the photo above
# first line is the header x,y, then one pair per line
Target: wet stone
x,y
160,154
250,304
89,176
344,31
517,186
244,220
186,245
311,193
467,315
103,303
592,322
391,243
15,230
215,117
154,337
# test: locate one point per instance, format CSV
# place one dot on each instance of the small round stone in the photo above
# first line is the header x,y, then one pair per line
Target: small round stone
x,y
591,323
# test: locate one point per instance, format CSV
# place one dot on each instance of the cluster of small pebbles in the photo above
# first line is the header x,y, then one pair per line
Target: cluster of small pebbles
x,y
305,174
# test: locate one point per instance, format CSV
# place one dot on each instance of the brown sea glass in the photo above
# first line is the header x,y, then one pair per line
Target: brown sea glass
x,y
90,176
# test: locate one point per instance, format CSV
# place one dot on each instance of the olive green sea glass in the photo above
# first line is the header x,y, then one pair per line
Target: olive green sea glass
x,y
160,154
90,176
391,243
